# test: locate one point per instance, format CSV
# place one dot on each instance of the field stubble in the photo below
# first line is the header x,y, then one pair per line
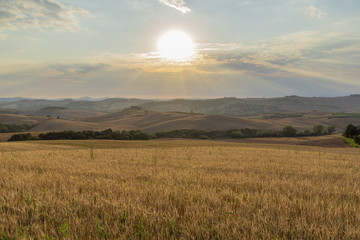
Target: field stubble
x,y
180,190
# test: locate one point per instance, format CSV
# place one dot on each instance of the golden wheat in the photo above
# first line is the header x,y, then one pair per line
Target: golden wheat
x,y
177,190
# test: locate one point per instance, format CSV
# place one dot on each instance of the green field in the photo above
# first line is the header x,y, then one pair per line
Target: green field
x,y
346,115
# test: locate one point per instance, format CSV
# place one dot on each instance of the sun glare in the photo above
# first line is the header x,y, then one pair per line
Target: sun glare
x,y
176,45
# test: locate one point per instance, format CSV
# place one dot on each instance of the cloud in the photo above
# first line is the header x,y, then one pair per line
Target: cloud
x,y
307,54
179,5
38,14
303,63
78,68
300,53
315,12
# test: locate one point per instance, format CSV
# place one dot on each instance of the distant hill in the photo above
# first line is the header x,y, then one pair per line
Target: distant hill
x,y
84,99
9,111
258,106
106,105
221,106
13,99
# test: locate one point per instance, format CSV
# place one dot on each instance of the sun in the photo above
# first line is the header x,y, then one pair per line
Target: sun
x,y
176,45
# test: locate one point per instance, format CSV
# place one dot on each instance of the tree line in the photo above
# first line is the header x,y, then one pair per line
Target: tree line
x,y
352,132
83,135
287,131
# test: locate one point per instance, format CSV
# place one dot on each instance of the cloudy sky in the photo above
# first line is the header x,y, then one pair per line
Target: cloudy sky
x,y
243,48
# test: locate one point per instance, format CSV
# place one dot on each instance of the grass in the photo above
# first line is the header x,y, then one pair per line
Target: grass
x,y
346,115
352,142
184,189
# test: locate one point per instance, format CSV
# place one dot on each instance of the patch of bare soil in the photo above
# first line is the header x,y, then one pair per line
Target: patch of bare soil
x,y
329,143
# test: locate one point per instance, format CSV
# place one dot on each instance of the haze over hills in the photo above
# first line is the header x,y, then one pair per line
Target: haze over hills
x,y
13,99
222,106
257,106
16,99
106,105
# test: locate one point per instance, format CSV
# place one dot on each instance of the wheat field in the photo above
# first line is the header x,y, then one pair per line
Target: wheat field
x,y
177,189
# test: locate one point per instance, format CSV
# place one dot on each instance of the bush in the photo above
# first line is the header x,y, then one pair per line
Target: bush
x,y
289,131
236,134
318,129
351,131
203,137
196,133
20,137
330,129
357,139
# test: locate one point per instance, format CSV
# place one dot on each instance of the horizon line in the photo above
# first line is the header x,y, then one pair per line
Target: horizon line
x,y
87,98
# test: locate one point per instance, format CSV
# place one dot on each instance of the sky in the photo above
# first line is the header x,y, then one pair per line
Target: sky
x,y
243,48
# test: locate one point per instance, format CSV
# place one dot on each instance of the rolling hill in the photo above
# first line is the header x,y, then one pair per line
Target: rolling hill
x,y
152,121
166,121
52,124
259,106
20,119
166,115
221,106
106,105
64,113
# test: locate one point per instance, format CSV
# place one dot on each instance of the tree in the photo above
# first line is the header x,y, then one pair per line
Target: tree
x,y
307,133
289,131
318,129
196,133
330,129
3,129
350,131
357,139
20,137
236,134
